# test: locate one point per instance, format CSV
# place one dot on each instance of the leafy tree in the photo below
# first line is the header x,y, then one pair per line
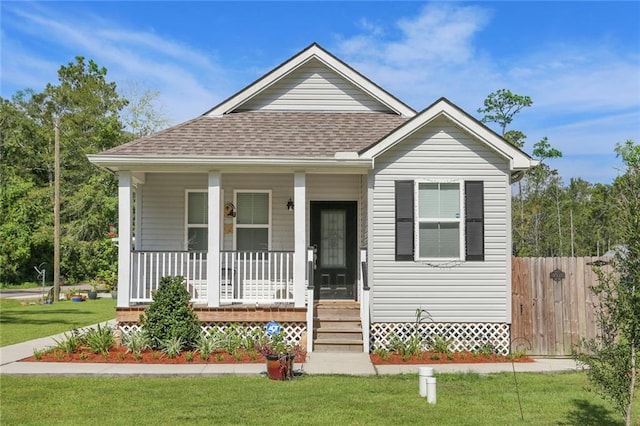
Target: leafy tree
x,y
540,193
88,108
612,357
141,116
501,107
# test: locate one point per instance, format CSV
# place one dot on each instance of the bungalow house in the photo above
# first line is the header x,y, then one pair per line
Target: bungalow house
x,y
315,198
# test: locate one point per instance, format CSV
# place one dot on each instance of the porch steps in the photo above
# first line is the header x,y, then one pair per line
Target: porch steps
x,y
337,327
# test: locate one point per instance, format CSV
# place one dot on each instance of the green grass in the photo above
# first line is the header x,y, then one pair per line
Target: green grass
x,y
463,399
19,323
29,284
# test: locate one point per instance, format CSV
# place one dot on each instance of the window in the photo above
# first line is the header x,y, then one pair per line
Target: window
x,y
197,218
446,221
439,220
253,220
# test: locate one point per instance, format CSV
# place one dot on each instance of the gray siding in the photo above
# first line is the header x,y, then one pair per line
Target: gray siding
x,y
465,291
332,188
313,87
163,210
162,220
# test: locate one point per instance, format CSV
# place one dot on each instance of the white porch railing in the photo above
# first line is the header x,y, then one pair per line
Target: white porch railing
x,y
245,277
148,267
256,277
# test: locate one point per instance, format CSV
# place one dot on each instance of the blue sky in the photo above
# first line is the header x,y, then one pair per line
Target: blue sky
x,y
579,61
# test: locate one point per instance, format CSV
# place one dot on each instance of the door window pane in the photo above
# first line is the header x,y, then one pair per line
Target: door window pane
x,y
332,238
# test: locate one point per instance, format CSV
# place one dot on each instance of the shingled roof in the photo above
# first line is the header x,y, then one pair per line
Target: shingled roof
x,y
267,134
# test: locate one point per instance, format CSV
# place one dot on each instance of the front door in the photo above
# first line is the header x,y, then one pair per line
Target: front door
x,y
334,233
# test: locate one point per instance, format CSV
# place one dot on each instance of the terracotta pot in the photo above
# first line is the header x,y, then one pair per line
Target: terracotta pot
x,y
280,368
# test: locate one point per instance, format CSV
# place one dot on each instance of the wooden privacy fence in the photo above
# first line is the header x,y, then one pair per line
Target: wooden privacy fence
x,y
552,304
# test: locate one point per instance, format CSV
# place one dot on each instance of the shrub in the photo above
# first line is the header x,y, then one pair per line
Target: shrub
x,y
172,346
99,339
136,342
170,315
70,342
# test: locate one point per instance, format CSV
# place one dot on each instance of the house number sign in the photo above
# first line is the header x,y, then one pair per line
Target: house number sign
x,y
557,275
273,327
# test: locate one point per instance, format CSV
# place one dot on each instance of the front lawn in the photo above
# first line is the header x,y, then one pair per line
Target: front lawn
x,y
21,321
463,399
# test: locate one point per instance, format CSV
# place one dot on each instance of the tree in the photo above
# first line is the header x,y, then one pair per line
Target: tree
x,y
612,356
539,191
500,107
88,107
141,116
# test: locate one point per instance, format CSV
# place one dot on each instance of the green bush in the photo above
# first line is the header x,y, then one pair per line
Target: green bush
x,y
170,315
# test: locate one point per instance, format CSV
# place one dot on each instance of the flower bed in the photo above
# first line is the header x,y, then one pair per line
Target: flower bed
x,y
119,355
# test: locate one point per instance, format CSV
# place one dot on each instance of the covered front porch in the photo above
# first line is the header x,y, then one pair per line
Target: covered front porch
x,y
252,247
241,238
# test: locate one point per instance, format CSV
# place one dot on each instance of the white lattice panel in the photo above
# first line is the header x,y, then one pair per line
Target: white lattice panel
x,y
293,330
463,336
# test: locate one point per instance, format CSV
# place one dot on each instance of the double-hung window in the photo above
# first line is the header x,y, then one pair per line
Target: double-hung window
x,y
197,220
439,220
253,220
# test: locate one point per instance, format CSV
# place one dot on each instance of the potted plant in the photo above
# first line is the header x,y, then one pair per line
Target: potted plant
x,y
109,278
279,354
93,293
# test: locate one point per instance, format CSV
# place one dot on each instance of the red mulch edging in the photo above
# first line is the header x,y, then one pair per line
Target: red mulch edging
x,y
119,355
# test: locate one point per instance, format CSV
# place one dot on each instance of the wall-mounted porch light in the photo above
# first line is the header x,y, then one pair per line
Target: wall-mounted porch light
x,y
290,204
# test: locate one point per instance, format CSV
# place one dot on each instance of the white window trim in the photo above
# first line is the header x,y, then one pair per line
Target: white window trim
x,y
460,221
205,225
235,221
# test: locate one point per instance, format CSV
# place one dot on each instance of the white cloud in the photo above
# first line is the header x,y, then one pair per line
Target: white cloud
x,y
586,98
188,81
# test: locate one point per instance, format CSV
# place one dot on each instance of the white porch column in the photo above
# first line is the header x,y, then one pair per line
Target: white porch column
x,y
300,236
213,235
124,238
137,243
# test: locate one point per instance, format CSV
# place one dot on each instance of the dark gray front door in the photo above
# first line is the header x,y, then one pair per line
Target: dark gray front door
x,y
334,233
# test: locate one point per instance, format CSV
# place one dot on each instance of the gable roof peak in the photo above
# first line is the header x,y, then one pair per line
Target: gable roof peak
x,y
327,59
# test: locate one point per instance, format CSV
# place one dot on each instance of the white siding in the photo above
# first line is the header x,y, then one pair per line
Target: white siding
x,y
313,87
281,186
464,291
333,188
163,209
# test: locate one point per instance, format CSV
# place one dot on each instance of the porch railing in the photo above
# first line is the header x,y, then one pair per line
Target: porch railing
x,y
256,277
148,267
245,277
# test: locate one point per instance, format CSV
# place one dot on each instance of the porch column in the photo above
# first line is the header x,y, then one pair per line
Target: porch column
x,y
300,243
213,236
124,238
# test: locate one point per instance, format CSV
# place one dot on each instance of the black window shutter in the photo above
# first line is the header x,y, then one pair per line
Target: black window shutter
x,y
404,220
474,219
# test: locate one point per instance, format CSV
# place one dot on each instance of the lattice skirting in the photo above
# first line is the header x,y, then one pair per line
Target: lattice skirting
x,y
463,336
293,330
